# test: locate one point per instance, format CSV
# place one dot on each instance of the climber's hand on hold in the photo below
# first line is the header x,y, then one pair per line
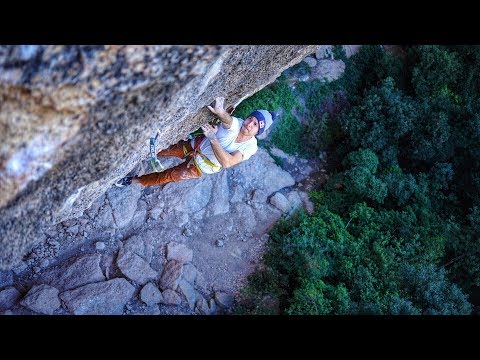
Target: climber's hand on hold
x,y
218,108
210,131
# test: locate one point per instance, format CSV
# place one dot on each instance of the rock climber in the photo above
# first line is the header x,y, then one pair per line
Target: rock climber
x,y
222,146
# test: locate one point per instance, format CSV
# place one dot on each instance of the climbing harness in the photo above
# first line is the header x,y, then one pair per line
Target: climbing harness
x,y
196,151
199,137
154,161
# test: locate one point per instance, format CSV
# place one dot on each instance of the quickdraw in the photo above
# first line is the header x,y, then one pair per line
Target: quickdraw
x,y
154,161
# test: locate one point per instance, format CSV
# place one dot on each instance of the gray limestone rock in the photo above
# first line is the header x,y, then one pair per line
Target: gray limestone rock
x,y
170,297
105,298
134,267
190,273
324,51
124,204
310,61
76,272
140,246
328,70
6,278
294,200
224,300
150,294
8,298
280,202
185,288
42,299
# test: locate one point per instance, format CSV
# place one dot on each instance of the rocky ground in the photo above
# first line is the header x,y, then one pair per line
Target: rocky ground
x,y
181,248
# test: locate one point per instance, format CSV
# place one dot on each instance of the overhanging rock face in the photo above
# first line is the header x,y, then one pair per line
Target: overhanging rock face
x,y
73,119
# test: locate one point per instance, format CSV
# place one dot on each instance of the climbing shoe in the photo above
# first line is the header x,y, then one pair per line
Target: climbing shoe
x,y
127,180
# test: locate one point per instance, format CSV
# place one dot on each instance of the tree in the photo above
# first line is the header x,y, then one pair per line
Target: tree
x,y
437,68
382,119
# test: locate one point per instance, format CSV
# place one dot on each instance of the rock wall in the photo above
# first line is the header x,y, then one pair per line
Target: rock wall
x,y
73,119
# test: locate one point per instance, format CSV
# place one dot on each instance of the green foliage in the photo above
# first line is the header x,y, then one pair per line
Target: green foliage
x,y
365,158
287,135
337,201
464,249
301,69
260,296
369,67
320,133
396,227
436,68
362,183
435,294
316,232
468,82
448,94
323,104
441,175
279,97
339,53
333,267
401,188
359,178
358,75
316,136
430,142
315,92
383,119
391,66
309,299
400,306
272,98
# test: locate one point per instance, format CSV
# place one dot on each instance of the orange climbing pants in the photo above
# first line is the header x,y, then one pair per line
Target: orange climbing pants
x,y
176,173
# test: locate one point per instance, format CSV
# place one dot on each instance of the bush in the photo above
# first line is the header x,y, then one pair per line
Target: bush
x,y
287,135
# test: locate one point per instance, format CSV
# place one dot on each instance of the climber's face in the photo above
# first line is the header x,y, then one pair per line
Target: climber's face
x,y
250,126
